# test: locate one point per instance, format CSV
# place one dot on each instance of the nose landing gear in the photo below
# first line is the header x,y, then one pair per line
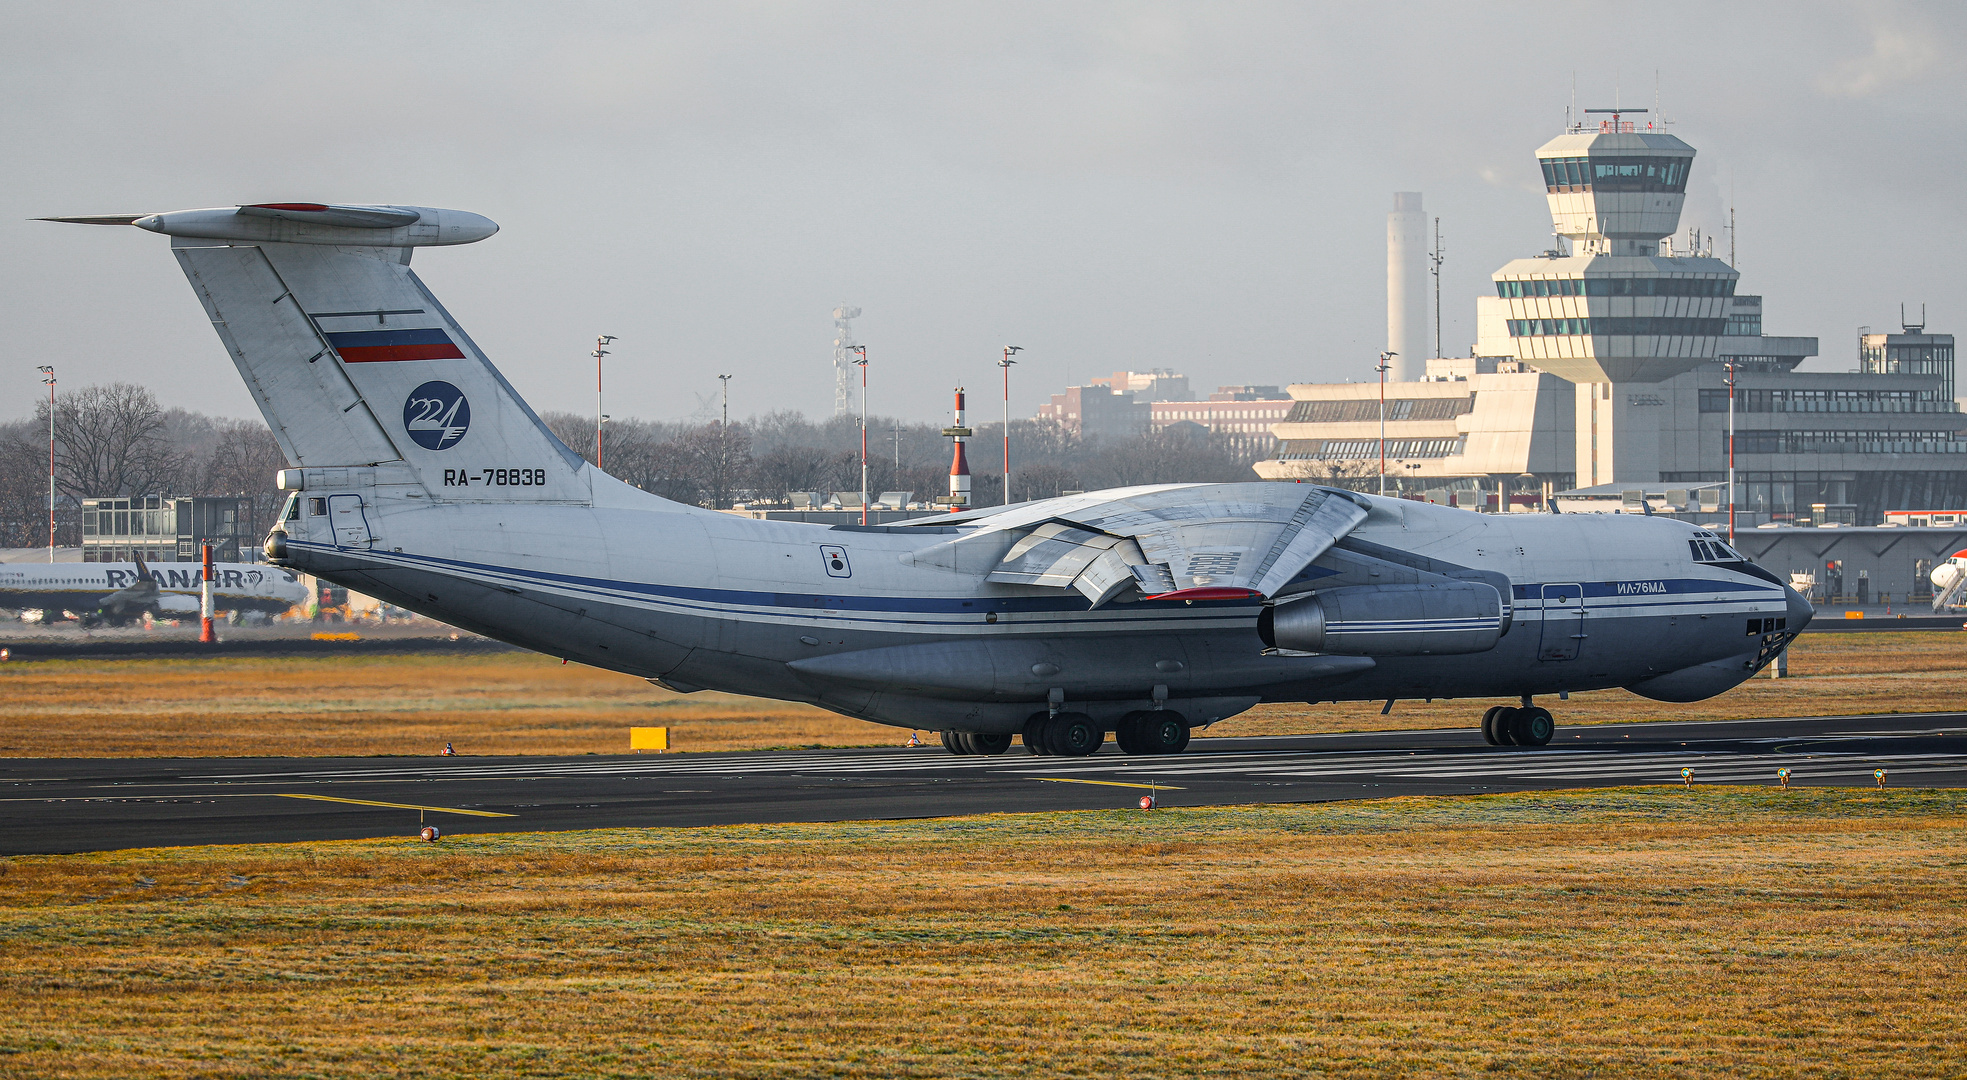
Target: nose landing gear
x,y
1530,725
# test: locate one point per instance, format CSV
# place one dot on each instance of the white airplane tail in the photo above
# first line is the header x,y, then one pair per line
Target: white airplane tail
x,y
350,357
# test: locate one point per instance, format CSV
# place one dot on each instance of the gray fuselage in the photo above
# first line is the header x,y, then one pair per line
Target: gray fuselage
x,y
852,619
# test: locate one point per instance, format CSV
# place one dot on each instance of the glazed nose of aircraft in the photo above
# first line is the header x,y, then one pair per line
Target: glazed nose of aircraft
x,y
1800,611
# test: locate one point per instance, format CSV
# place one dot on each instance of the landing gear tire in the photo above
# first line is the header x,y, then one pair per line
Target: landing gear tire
x,y
1073,735
1161,732
1503,727
953,742
1034,737
1489,724
1127,734
1164,732
989,742
1532,726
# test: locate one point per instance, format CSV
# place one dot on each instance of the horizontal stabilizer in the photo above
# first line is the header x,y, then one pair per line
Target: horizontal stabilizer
x,y
310,223
97,219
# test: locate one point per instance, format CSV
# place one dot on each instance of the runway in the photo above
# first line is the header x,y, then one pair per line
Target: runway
x,y
55,806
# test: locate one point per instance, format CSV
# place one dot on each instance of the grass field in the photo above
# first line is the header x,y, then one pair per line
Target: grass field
x,y
522,703
1722,932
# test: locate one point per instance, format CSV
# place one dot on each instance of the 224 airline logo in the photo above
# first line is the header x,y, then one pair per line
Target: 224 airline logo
x,y
437,415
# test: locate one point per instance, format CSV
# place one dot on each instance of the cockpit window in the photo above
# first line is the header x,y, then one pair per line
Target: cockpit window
x,y
1708,548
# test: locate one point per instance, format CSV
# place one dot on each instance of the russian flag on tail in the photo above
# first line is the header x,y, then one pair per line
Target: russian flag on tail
x,y
372,346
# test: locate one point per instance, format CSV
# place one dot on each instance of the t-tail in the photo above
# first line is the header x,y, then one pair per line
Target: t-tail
x,y
360,372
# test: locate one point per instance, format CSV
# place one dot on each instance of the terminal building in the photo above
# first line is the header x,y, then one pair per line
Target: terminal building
x,y
163,528
1127,403
1602,367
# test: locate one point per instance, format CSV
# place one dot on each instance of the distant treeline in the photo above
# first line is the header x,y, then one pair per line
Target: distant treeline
x,y
115,440
765,459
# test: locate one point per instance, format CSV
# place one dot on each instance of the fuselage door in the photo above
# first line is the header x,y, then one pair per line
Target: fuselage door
x,y
1564,623
350,523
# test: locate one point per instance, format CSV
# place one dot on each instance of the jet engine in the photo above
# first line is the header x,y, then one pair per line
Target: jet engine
x,y
1426,619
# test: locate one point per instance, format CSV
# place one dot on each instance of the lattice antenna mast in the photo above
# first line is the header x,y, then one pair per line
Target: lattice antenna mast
x,y
845,359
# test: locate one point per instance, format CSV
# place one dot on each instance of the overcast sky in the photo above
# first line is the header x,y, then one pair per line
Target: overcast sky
x,y
1109,185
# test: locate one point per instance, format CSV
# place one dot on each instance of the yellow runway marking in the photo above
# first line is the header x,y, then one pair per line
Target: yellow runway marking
x,y
1105,783
396,805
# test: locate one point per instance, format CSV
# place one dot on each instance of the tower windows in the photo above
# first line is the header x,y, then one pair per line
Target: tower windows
x,y
1676,286
1651,325
1656,174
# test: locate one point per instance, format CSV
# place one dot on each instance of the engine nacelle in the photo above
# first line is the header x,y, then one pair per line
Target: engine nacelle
x,y
1428,619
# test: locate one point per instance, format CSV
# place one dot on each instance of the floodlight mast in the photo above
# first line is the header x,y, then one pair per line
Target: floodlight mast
x,y
1006,365
1731,452
48,376
862,361
1386,359
599,419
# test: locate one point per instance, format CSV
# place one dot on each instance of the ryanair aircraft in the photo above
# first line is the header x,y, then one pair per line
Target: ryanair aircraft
x,y
422,478
117,593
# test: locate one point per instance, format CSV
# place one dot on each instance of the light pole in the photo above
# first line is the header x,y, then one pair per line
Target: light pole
x,y
48,376
726,420
599,419
1382,369
1006,365
862,350
1731,453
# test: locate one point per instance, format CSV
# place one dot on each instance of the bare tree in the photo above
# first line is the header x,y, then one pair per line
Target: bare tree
x,y
1167,456
111,441
1353,475
244,460
1044,481
24,488
779,472
575,430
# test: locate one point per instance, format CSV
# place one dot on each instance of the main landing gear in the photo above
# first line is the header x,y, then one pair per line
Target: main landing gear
x,y
976,742
1069,734
1530,725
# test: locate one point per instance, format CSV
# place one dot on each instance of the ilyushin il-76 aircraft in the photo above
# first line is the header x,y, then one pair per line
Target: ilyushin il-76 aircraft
x,y
421,477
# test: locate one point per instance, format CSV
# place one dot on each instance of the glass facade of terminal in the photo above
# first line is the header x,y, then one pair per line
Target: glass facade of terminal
x,y
1846,442
1908,354
1786,495
160,528
1827,401
1353,410
1369,449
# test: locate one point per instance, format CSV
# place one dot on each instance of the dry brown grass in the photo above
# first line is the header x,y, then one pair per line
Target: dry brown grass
x,y
1734,933
523,703
502,703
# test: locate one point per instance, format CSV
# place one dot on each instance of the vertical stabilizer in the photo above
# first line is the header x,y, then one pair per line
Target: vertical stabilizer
x,y
355,363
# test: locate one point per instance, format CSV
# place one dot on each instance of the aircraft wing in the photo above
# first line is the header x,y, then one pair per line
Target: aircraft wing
x,y
1228,539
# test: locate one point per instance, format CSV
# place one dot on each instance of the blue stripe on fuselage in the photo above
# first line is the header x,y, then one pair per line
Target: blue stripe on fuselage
x,y
809,604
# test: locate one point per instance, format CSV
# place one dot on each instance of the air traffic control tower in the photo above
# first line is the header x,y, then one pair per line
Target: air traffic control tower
x,y
1615,308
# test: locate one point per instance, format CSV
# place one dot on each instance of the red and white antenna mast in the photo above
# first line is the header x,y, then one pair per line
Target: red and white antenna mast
x,y
959,465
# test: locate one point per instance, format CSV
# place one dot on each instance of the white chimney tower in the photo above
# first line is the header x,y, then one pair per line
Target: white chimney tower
x,y
1406,288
